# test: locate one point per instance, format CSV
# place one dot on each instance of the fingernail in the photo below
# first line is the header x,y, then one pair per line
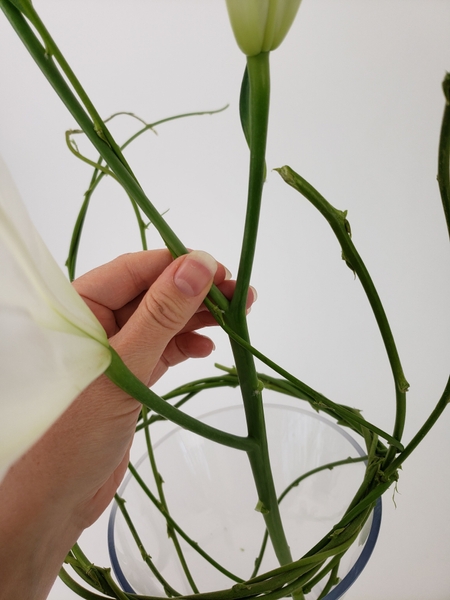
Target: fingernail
x,y
255,293
195,273
228,274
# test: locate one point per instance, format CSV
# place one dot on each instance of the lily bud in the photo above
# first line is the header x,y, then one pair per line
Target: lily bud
x,y
261,25
51,344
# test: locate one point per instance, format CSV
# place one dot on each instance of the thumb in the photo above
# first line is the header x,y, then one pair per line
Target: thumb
x,y
163,312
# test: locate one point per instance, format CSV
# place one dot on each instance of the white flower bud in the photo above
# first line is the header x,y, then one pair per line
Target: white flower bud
x,y
261,25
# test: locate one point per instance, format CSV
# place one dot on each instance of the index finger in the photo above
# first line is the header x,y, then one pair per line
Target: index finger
x,y
119,282
116,283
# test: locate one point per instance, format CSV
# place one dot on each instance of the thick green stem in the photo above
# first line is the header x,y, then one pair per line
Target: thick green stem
x,y
290,487
258,89
110,152
257,121
444,153
52,49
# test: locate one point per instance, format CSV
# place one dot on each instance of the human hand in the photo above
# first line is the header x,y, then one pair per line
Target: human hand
x,y
151,308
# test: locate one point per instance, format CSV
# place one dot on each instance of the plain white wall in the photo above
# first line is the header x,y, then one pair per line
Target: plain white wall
x,y
356,109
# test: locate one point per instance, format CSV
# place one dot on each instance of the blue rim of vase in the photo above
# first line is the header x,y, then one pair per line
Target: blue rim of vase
x,y
348,580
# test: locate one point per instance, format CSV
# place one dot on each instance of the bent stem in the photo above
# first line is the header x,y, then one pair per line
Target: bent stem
x,y
123,378
442,404
337,220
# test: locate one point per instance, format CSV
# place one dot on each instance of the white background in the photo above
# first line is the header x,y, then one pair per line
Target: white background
x,y
356,109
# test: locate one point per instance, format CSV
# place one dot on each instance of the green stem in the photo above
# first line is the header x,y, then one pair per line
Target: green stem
x,y
258,72
423,431
110,152
317,400
96,577
291,486
77,588
121,376
99,172
52,49
162,499
154,418
113,158
168,589
333,579
98,175
341,228
257,120
290,386
177,528
444,153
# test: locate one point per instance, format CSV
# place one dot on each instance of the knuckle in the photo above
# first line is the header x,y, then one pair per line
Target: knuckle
x,y
164,310
127,261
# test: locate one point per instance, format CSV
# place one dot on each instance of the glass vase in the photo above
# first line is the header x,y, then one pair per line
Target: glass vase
x,y
210,494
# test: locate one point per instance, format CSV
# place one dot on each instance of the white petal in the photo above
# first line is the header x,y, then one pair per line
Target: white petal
x,y
285,16
248,20
261,25
41,373
51,345
31,257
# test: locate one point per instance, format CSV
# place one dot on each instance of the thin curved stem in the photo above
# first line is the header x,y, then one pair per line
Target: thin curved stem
x,y
99,173
444,401
168,589
333,568
171,533
177,528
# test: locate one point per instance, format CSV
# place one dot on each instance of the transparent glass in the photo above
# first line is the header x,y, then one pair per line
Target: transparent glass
x,y
211,495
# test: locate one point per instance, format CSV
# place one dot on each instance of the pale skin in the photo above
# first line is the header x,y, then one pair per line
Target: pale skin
x,y
151,308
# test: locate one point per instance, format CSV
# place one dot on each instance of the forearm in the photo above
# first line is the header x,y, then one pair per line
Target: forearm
x,y
35,536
